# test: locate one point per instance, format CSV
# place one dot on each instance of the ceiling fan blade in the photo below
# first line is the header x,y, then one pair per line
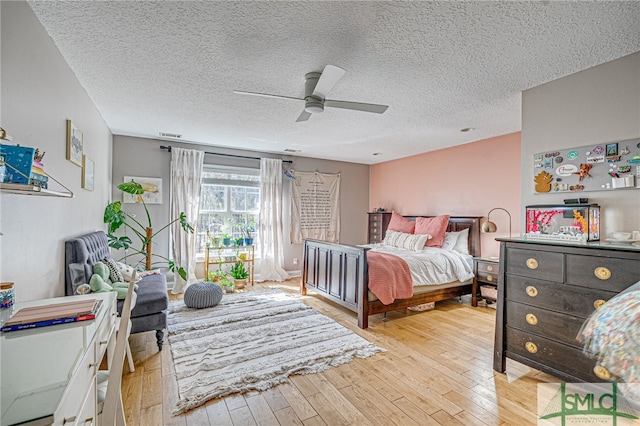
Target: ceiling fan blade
x,y
357,106
304,116
329,77
265,95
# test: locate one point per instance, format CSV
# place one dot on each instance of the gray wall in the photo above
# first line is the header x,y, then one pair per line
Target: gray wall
x,y
143,157
39,93
591,107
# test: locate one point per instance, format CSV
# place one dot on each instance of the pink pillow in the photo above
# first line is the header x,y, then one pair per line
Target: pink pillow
x,y
400,224
434,226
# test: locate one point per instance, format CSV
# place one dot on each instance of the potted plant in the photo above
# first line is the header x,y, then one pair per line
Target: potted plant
x,y
239,274
216,276
227,285
247,230
226,240
239,241
116,218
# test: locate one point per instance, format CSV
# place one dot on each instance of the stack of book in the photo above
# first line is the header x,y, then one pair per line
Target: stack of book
x,y
52,314
38,176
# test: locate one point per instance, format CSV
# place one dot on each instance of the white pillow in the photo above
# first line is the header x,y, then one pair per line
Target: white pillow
x,y
403,240
125,270
457,241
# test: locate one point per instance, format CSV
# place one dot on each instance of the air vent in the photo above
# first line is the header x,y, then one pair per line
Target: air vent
x,y
291,150
170,135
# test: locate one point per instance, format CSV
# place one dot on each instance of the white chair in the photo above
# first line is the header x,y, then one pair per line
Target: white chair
x,y
134,297
110,407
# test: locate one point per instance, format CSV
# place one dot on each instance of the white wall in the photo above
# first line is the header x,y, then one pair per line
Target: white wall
x,y
39,93
591,107
143,157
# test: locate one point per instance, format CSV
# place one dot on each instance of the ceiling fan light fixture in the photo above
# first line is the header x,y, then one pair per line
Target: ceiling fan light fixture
x,y
313,106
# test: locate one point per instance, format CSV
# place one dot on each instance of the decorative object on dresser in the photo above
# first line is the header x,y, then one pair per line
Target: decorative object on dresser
x,y
546,291
340,272
491,227
485,280
253,341
82,252
378,223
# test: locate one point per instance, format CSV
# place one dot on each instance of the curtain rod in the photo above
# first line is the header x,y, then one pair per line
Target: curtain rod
x,y
168,148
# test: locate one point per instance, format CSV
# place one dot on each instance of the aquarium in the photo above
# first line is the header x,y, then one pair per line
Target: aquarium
x,y
564,222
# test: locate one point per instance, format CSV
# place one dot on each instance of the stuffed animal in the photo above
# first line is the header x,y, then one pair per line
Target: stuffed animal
x,y
100,282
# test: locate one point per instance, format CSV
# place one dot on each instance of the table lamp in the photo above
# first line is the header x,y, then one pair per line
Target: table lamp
x,y
489,226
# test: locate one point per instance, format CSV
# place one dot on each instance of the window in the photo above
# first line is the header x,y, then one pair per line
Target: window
x,y
229,196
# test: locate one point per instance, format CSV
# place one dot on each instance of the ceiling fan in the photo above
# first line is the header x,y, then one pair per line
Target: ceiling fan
x,y
316,87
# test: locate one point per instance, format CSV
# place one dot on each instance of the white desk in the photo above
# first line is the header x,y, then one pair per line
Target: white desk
x,y
48,373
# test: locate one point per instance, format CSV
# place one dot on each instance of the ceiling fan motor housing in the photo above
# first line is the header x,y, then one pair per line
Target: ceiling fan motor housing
x,y
312,104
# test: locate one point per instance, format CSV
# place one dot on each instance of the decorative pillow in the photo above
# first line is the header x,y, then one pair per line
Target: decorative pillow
x,y
457,241
401,224
434,226
114,273
462,244
125,270
403,240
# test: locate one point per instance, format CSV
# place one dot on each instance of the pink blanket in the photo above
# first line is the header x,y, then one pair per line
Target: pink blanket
x,y
389,277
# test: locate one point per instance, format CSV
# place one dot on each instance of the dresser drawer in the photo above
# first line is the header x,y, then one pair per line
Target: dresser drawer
x,y
559,297
536,264
610,274
74,396
487,272
553,325
567,359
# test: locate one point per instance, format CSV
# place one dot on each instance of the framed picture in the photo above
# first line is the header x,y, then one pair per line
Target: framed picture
x,y
152,190
88,173
74,144
612,149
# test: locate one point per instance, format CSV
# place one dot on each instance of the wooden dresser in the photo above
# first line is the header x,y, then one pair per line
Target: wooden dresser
x,y
378,223
546,291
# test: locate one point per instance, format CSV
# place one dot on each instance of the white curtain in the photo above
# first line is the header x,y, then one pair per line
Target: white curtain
x,y
186,180
270,230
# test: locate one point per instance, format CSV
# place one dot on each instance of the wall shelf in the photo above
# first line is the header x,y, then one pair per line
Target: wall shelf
x,y
26,189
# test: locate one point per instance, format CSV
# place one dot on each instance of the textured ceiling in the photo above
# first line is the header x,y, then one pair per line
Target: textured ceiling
x,y
171,67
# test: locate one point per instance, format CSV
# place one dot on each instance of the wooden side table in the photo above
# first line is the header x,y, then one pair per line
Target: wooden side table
x,y
229,255
486,274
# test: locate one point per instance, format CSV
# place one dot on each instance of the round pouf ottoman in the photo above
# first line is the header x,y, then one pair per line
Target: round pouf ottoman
x,y
202,295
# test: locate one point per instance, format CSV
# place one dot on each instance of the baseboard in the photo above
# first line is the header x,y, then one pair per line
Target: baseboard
x,y
295,273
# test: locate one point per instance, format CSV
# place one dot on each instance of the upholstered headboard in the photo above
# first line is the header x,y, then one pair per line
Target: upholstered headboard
x,y
81,253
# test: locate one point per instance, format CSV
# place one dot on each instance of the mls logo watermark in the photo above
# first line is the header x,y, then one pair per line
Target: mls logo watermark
x,y
566,404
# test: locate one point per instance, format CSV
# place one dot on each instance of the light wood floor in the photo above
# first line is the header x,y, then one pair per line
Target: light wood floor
x,y
437,370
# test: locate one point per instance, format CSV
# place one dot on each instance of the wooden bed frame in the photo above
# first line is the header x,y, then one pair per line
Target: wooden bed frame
x,y
339,273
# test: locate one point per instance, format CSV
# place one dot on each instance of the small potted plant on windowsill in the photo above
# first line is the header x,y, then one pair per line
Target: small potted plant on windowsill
x,y
226,240
247,230
239,274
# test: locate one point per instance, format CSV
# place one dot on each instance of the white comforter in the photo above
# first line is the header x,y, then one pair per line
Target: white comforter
x,y
432,266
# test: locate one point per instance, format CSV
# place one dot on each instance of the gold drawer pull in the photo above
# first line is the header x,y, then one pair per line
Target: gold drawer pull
x,y
601,372
532,319
602,273
490,268
532,263
531,347
598,303
489,278
532,291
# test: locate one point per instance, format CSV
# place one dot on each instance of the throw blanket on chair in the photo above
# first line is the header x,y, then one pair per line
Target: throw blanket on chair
x,y
389,277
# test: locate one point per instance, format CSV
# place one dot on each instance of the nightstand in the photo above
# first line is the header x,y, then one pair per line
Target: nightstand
x,y
486,274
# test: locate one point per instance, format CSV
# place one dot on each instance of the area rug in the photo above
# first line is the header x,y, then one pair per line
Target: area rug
x,y
253,341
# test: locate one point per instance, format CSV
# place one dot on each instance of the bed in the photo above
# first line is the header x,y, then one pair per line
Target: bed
x,y
340,273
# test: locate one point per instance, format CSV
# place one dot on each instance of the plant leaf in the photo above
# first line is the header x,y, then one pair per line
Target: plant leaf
x,y
114,216
183,222
122,242
182,273
131,188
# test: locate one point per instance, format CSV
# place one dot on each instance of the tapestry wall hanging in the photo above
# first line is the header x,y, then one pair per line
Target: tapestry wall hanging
x,y
315,207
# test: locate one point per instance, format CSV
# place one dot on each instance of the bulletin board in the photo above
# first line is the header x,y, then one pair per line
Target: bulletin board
x,y
602,167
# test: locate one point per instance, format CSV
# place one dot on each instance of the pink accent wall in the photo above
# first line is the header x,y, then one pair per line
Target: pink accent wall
x,y
466,180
